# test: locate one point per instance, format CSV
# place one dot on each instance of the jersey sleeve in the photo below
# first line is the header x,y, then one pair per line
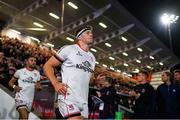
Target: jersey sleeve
x,y
16,74
63,53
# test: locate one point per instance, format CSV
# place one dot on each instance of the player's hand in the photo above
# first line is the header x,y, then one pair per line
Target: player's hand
x,y
17,89
98,93
134,94
60,88
101,77
38,86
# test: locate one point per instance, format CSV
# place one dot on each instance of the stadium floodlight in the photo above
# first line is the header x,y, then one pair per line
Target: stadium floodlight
x,y
168,19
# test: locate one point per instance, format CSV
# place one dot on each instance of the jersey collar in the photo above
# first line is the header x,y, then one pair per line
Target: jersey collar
x,y
81,47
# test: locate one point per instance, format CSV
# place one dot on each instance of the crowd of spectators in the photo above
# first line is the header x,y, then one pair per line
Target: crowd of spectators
x,y
13,54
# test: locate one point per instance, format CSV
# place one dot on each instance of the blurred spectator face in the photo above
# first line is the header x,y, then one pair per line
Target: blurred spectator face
x,y
106,84
31,62
177,76
141,77
12,70
164,77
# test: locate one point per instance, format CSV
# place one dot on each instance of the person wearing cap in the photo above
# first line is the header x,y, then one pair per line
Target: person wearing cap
x,y
77,67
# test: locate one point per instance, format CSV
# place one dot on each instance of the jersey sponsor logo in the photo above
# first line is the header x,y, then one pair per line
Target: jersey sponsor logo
x,y
86,63
71,107
28,80
18,101
79,53
86,66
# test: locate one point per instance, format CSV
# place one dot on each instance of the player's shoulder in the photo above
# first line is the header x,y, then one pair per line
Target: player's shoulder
x,y
66,47
21,69
36,71
92,55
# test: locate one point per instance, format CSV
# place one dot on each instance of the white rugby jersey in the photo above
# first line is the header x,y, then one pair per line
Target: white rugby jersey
x,y
76,69
26,80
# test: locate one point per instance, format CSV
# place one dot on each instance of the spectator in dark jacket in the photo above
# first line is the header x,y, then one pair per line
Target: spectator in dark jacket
x,y
108,95
167,97
144,95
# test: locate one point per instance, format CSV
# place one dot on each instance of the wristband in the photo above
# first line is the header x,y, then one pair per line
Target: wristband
x,y
14,86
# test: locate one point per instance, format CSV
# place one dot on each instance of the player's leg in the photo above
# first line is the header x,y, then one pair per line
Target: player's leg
x,y
23,112
69,110
23,107
84,111
75,118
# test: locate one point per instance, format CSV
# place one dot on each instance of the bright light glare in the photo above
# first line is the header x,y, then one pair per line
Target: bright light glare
x,y
33,38
140,49
151,57
136,70
138,61
111,58
15,31
38,24
124,39
108,45
118,70
161,63
70,39
104,65
125,64
125,54
111,68
94,50
49,44
72,5
148,66
167,18
102,25
54,15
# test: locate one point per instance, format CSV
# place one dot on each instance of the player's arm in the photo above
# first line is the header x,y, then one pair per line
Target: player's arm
x,y
38,85
12,85
49,72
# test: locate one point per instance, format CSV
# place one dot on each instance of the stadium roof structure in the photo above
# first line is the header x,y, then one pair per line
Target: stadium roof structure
x,y
121,42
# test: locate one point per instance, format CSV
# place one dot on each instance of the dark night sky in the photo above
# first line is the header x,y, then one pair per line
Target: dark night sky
x,y
148,12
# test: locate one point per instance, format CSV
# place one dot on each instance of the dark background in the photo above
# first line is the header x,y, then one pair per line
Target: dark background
x,y
148,12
